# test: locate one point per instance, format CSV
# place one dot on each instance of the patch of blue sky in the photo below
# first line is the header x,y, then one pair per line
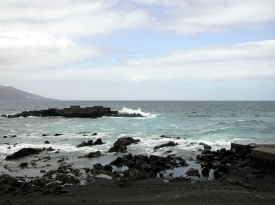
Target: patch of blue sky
x,y
147,43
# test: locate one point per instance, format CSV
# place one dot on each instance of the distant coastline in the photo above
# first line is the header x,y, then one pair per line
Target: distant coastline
x,y
11,93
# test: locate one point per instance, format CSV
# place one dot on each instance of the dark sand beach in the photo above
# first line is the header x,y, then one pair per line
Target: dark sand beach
x,y
154,191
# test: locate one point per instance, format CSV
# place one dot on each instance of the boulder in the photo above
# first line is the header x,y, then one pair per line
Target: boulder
x,y
82,144
205,172
4,116
126,141
98,142
193,172
93,154
46,142
168,144
23,164
118,148
24,152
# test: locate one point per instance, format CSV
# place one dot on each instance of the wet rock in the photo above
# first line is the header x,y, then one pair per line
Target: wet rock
x,y
53,188
207,147
67,179
93,154
14,136
168,151
97,166
5,136
3,116
50,149
179,179
24,152
94,134
57,134
44,135
84,143
163,136
117,161
42,171
46,142
118,148
90,143
98,142
126,141
168,144
258,171
193,172
183,163
205,172
23,165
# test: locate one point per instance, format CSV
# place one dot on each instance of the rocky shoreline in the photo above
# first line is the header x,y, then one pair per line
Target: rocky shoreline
x,y
232,166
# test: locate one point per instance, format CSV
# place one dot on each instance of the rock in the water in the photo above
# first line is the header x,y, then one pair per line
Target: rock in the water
x,y
205,172
118,148
126,141
46,142
93,154
163,136
193,172
168,144
24,152
4,116
98,142
23,164
57,134
82,144
50,149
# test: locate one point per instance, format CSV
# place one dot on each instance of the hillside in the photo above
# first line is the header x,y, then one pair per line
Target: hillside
x,y
11,93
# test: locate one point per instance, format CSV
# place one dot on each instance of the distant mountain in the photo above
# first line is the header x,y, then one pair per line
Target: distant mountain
x,y
11,93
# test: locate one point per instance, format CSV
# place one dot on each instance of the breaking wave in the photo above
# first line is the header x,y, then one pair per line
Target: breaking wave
x,y
138,111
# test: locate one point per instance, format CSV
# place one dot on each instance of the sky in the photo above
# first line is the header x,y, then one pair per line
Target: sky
x,y
139,49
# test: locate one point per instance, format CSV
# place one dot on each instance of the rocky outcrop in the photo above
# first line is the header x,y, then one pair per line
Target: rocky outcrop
x,y
90,143
76,111
118,148
121,144
92,155
23,152
168,144
126,141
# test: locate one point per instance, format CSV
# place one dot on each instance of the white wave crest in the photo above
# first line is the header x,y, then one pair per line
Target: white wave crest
x,y
138,111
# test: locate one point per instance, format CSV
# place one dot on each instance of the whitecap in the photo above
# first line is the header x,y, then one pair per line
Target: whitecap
x,y
138,111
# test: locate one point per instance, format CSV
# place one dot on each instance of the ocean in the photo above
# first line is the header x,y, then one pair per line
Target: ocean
x,y
184,122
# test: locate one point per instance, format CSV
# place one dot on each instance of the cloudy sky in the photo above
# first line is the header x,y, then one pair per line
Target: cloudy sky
x,y
139,49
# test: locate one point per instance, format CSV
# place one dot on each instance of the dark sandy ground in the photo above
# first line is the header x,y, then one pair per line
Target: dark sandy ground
x,y
156,191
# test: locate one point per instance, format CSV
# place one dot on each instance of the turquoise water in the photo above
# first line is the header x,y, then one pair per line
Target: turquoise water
x,y
215,123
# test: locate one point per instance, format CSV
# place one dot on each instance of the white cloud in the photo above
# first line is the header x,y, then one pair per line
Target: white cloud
x,y
254,60
197,16
37,51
